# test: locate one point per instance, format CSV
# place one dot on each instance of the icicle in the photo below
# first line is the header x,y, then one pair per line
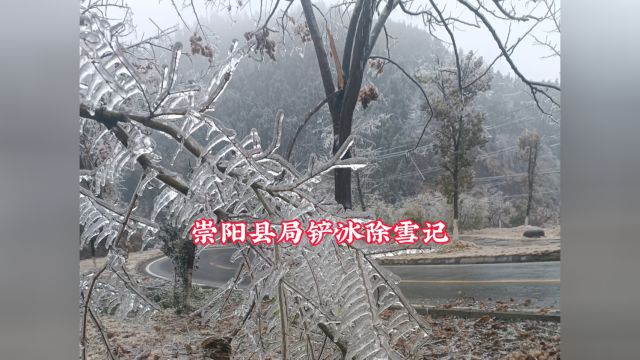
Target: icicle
x,y
162,200
150,175
96,140
193,121
312,162
97,96
83,122
116,99
91,38
104,234
233,47
117,164
169,75
140,144
101,51
223,74
90,231
223,152
175,155
147,235
131,70
218,139
130,234
86,68
239,160
175,101
212,127
91,212
93,86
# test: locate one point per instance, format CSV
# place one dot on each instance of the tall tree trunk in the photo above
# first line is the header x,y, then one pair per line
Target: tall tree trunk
x,y
359,187
354,60
456,203
456,181
529,188
342,183
183,269
187,276
528,213
456,213
531,168
354,64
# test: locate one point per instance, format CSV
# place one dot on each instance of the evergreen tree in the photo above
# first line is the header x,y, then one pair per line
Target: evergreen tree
x,y
458,125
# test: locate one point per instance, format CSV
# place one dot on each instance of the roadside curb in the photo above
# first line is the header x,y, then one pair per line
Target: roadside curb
x,y
552,255
472,313
142,265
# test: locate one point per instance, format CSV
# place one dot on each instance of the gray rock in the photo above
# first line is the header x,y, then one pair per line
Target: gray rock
x,y
533,233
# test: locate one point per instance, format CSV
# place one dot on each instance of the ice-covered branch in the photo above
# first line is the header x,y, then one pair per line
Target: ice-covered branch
x,y
336,161
110,207
534,86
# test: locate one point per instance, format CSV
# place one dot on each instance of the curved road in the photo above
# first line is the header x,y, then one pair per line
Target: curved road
x,y
428,284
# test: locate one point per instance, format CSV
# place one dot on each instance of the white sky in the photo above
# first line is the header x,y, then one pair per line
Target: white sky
x,y
528,56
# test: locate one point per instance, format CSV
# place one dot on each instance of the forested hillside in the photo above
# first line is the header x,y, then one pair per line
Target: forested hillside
x,y
389,128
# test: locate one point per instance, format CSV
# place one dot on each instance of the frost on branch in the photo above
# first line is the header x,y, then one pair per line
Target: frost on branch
x,y
114,294
326,301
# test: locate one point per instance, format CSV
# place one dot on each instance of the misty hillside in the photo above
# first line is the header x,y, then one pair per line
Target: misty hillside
x,y
387,127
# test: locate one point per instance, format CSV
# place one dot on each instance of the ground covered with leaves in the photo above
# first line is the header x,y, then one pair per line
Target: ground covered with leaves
x,y
489,338
168,336
500,305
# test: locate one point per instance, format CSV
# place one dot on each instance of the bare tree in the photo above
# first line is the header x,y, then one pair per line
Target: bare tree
x,y
529,144
366,21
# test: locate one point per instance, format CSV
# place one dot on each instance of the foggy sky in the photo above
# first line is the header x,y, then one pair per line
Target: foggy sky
x,y
527,56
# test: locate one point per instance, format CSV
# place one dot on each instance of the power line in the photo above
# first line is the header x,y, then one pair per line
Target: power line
x,y
485,179
499,177
507,123
430,170
526,194
394,154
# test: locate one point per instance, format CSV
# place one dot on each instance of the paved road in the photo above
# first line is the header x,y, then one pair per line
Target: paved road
x,y
422,284
514,242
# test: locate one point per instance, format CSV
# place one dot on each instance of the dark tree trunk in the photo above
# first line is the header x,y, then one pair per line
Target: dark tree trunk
x,y
187,276
342,183
531,170
183,269
358,43
457,145
359,187
529,199
456,199
456,212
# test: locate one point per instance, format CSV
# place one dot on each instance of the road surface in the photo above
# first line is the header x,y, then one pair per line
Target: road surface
x,y
422,284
